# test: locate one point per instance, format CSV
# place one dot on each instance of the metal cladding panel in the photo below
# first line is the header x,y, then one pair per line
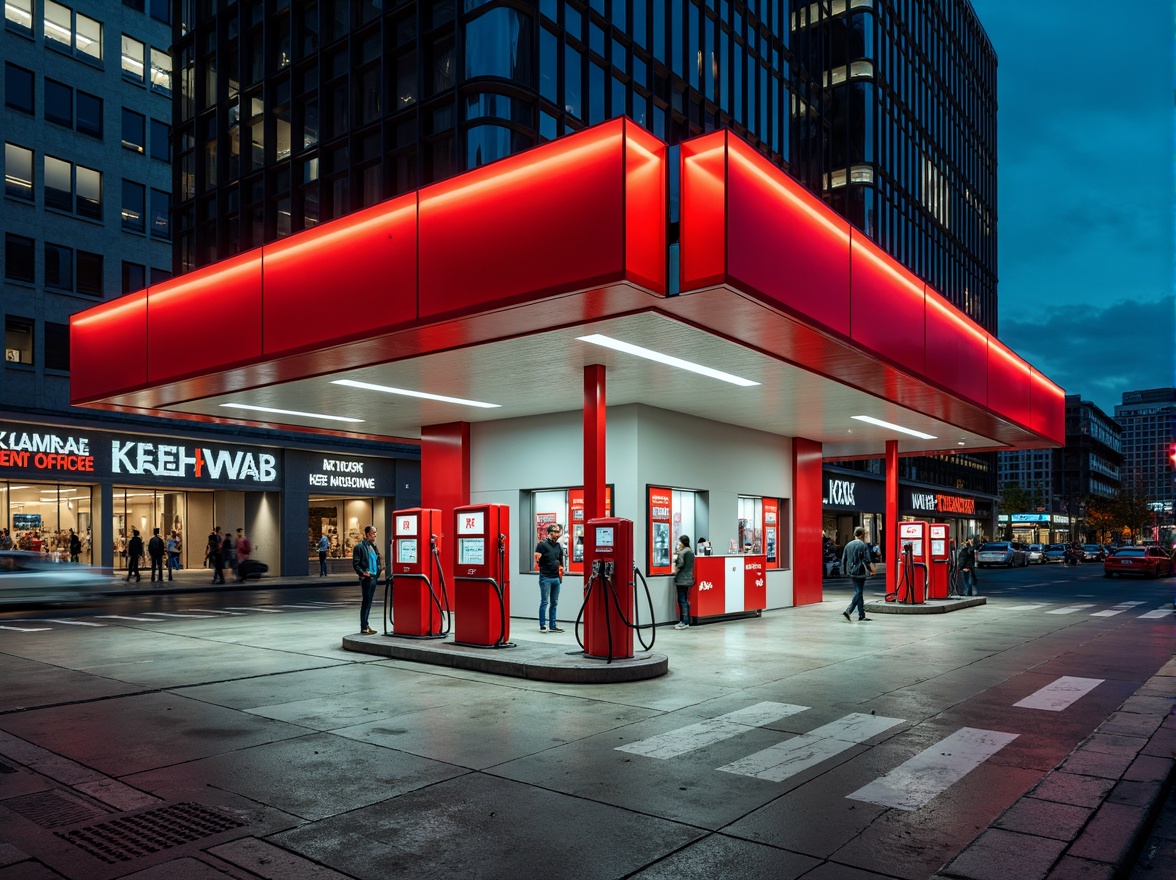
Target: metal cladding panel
x,y
1009,384
957,350
107,349
784,242
542,222
888,306
645,209
1049,408
367,258
807,486
703,212
205,320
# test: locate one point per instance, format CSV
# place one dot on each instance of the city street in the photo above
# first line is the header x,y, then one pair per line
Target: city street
x,y
236,738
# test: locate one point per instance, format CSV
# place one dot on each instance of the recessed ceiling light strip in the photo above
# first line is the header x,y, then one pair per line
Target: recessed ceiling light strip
x,y
368,386
669,360
289,412
881,424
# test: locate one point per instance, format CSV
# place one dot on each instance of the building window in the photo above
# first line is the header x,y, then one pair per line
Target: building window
x,y
73,32
18,172
160,214
134,277
90,273
58,184
133,206
18,88
89,114
160,141
132,59
58,102
161,10
18,15
56,346
158,276
134,130
18,258
492,46
64,181
18,340
89,191
161,71
58,267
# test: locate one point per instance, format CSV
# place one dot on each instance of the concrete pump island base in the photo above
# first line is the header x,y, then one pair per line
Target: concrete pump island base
x,y
531,660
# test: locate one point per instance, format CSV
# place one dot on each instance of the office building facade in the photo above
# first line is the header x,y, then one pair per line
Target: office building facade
x,y
1148,418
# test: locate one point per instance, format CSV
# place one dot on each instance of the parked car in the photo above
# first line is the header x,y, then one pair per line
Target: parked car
x,y
1004,553
1094,552
1055,553
1150,561
26,578
1036,553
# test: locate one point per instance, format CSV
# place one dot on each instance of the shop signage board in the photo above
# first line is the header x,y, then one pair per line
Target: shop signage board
x,y
845,492
660,501
328,473
576,525
921,501
45,452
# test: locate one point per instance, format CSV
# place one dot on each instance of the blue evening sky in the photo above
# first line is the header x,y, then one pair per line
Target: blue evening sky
x,y
1085,190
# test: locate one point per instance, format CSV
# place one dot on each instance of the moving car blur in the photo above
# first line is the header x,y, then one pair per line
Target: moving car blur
x,y
26,577
1145,561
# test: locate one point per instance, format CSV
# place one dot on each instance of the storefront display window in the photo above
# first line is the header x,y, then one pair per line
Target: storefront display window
x,y
145,509
562,506
42,518
763,529
342,520
672,513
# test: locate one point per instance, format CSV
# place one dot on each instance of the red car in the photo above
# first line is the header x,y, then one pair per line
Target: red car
x,y
1151,561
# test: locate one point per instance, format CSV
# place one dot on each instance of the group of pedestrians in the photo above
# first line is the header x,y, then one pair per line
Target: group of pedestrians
x,y
226,552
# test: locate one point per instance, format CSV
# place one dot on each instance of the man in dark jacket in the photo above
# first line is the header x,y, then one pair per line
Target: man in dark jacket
x,y
857,562
365,559
966,560
134,554
156,551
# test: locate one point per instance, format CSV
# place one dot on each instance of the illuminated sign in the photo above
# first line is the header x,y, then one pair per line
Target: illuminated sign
x,y
200,462
938,503
841,492
45,451
341,473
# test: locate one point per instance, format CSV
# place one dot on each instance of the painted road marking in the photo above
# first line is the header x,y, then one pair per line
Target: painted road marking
x,y
169,614
931,772
1069,609
214,611
1116,609
25,629
1058,695
121,617
75,622
779,762
1159,612
1027,607
677,742
262,610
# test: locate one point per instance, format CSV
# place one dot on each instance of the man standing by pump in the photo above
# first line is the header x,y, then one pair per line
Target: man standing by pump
x,y
966,560
549,559
365,559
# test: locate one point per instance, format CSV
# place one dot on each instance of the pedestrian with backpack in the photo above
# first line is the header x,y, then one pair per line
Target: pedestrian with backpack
x,y
858,563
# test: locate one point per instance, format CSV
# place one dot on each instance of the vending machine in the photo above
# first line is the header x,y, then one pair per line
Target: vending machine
x,y
415,576
481,579
608,588
913,556
940,566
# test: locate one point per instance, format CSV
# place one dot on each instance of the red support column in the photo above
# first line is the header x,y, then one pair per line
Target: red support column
x,y
445,467
807,587
594,441
891,548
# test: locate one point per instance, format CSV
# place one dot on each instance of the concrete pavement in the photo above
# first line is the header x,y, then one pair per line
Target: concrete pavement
x,y
264,750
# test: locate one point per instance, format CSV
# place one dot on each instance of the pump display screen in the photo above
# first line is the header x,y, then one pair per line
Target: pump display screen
x,y
471,551
916,548
604,536
406,550
938,548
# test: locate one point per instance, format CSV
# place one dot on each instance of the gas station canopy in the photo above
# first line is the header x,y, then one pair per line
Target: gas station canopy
x,y
484,297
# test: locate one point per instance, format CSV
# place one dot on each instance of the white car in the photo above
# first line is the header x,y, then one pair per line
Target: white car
x,y
26,578
1036,554
1003,553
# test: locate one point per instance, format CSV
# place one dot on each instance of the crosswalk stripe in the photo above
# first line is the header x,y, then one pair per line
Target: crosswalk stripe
x,y
75,622
1116,609
914,783
25,629
779,762
1069,609
1159,612
122,617
1059,694
677,742
1027,607
214,611
169,614
262,610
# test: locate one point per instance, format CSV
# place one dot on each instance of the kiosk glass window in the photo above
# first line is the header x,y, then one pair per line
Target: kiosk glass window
x,y
763,529
39,517
146,509
540,508
341,520
672,513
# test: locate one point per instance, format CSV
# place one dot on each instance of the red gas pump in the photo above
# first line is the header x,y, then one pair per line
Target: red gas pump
x,y
608,588
913,556
940,574
481,581
415,576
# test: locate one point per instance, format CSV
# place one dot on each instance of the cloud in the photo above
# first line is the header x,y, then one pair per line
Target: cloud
x,y
1099,352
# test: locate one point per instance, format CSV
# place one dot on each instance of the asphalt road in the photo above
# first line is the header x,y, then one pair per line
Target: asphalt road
x,y
791,745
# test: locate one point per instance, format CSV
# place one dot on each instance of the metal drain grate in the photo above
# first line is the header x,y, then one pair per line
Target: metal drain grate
x,y
49,809
4,768
130,837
